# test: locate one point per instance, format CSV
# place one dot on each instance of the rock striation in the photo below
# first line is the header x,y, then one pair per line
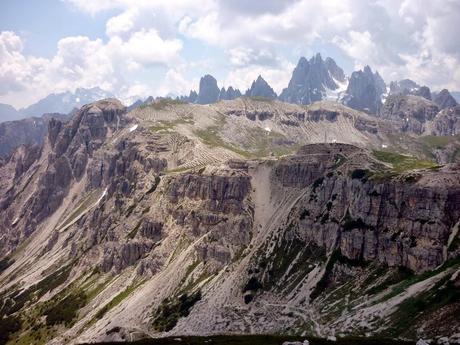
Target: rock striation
x,y
134,215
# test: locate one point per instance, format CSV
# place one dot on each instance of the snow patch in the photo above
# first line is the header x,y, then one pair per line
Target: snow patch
x,y
100,198
133,128
336,95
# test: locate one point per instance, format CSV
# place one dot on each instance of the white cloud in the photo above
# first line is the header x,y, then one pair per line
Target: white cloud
x,y
79,62
277,77
409,38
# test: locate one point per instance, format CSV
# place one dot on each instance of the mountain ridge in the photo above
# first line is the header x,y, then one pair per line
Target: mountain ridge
x,y
236,209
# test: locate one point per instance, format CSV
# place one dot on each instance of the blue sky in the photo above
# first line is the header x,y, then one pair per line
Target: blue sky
x,y
156,47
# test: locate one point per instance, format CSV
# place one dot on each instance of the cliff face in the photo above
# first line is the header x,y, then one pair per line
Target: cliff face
x,y
120,218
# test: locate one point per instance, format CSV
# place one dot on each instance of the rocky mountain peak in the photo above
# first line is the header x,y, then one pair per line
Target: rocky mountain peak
x,y
444,99
365,90
336,72
229,94
312,79
209,91
260,88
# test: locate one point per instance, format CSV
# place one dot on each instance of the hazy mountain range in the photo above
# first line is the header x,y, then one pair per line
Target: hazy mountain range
x,y
312,80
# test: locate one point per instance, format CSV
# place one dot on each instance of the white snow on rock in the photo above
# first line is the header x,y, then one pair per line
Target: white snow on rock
x,y
101,197
336,95
133,128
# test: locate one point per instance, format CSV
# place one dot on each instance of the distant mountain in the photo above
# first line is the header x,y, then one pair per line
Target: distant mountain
x,y
65,102
365,91
260,88
27,131
229,94
444,99
9,113
209,91
409,87
314,80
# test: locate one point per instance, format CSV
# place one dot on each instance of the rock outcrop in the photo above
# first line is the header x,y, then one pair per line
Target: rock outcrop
x,y
444,99
209,91
411,112
365,90
446,122
161,220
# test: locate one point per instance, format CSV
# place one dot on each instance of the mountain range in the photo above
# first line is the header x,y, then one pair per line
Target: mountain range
x,y
312,80
331,218
62,103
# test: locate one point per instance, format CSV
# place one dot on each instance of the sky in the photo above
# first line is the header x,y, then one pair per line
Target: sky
x,y
138,48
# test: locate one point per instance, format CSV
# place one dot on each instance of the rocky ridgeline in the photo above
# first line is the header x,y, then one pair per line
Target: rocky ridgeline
x,y
151,248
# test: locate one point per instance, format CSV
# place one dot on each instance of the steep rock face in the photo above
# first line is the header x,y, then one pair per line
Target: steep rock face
x,y
365,90
30,131
209,91
412,112
446,122
368,219
274,243
444,99
311,79
260,88
335,71
71,146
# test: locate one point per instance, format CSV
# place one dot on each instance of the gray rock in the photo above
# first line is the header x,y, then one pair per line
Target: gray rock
x,y
310,79
260,88
410,112
229,94
209,91
364,91
444,99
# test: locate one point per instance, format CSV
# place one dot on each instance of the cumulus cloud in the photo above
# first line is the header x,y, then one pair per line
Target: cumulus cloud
x,y
402,39
80,62
278,77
